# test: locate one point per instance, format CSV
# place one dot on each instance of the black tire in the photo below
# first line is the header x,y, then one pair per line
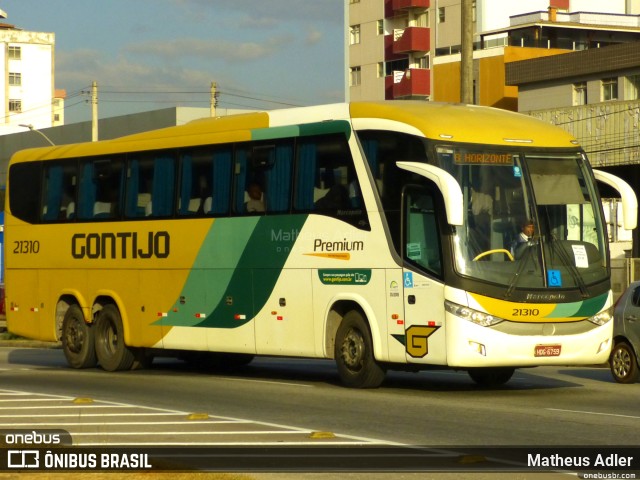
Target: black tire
x,y
491,377
113,355
78,339
357,366
623,363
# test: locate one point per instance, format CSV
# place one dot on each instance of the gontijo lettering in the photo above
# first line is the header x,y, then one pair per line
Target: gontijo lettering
x,y
121,245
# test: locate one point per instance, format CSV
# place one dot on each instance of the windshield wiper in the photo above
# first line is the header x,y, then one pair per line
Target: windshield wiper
x,y
522,263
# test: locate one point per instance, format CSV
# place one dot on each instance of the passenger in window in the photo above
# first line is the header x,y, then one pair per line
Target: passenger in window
x,y
255,204
204,195
68,205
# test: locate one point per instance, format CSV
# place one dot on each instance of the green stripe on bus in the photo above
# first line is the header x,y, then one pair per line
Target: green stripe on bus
x,y
234,274
318,128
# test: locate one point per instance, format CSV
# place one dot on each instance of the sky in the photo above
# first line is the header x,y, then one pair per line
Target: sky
x,y
151,54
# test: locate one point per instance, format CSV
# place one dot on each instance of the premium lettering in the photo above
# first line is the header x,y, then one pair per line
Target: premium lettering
x,y
121,245
343,246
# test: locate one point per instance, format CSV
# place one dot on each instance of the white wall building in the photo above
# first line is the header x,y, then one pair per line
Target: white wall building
x,y
27,88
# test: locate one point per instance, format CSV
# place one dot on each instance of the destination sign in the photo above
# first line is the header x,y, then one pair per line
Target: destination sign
x,y
483,158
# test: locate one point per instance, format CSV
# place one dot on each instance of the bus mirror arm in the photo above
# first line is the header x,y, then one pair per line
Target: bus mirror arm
x,y
629,200
446,183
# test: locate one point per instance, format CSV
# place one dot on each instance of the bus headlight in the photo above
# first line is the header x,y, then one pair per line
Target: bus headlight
x,y
474,316
602,317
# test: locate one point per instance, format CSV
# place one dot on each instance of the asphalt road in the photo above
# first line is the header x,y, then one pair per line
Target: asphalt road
x,y
287,401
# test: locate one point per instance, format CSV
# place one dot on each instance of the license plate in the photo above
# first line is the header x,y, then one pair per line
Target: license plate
x,y
548,350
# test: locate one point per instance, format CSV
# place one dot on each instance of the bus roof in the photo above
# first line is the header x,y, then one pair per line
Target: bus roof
x,y
452,122
467,123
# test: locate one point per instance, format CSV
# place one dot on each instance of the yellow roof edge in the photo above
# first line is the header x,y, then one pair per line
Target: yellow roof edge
x,y
467,123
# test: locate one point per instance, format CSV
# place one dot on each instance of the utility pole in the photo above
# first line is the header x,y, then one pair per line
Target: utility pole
x,y
214,99
466,60
94,111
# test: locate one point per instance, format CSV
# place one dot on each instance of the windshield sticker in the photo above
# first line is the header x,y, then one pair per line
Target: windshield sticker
x,y
554,278
580,254
414,252
517,172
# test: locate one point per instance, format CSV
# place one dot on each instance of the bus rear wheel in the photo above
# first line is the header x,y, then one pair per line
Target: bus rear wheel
x,y
112,353
78,339
357,366
491,377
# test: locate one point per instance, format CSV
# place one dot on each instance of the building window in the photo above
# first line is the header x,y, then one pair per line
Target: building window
x,y
580,93
609,89
380,69
632,87
354,34
15,106
422,19
354,76
423,62
15,53
354,1
380,25
15,79
441,15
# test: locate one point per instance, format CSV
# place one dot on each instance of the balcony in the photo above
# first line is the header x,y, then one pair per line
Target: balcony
x,y
412,83
411,39
409,4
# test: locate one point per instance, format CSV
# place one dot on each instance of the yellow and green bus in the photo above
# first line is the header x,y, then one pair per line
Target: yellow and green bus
x,y
381,235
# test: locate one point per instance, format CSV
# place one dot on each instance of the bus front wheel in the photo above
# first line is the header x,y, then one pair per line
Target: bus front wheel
x,y
357,366
112,353
78,339
491,377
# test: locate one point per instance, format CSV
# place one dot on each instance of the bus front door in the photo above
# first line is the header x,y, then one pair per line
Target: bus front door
x,y
423,294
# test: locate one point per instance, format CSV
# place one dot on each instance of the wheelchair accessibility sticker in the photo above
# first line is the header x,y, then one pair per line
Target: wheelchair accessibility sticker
x,y
408,279
554,278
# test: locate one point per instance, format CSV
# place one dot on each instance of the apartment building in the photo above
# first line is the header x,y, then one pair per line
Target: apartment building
x,y
410,49
27,89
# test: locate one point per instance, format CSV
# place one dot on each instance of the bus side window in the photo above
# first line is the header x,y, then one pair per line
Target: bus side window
x,y
136,199
52,198
422,239
150,185
262,178
277,191
100,189
59,189
205,181
25,177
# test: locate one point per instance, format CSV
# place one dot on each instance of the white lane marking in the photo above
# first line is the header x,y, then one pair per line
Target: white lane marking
x,y
586,412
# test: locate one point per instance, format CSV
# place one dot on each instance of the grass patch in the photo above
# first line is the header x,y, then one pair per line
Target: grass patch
x,y
9,336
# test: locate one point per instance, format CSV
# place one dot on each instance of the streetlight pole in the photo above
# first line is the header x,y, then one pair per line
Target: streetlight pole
x,y
34,129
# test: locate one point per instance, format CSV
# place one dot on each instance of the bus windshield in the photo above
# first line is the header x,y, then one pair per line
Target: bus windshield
x,y
531,220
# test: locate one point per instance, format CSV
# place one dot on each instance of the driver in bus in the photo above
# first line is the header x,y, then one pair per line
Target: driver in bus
x,y
525,236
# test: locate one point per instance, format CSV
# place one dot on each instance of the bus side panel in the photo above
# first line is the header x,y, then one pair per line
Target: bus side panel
x,y
230,327
395,316
149,304
425,319
352,285
23,308
285,325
